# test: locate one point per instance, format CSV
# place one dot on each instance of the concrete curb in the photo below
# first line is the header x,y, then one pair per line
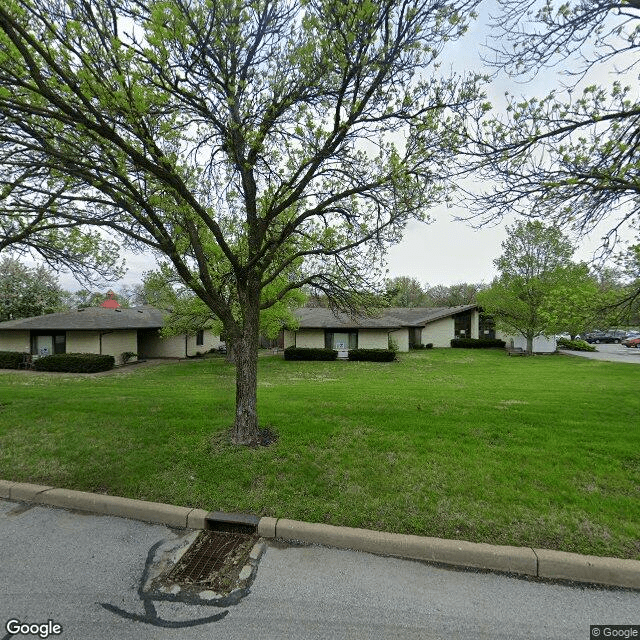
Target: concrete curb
x,y
540,563
455,552
155,512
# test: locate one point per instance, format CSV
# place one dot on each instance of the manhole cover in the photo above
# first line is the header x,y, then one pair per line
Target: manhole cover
x,y
214,559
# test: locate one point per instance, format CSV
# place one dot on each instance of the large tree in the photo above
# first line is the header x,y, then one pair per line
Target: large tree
x,y
624,299
36,221
27,291
572,156
539,291
250,142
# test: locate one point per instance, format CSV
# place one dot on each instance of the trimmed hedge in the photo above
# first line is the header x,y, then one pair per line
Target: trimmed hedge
x,y
306,353
11,359
74,363
372,355
478,343
576,345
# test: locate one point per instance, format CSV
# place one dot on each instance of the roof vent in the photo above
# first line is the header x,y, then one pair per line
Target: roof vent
x,y
118,310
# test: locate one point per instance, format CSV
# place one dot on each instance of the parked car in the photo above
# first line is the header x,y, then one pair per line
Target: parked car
x,y
632,342
606,336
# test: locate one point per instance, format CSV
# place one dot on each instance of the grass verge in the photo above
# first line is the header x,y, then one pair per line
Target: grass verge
x,y
541,452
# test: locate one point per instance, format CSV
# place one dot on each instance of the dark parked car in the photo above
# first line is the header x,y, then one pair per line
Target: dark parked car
x,y
606,336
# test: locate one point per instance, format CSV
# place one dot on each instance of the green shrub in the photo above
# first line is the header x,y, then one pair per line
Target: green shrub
x,y
372,355
74,363
11,359
306,353
477,343
575,345
128,355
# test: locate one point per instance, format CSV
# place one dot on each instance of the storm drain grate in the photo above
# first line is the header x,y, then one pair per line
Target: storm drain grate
x,y
212,552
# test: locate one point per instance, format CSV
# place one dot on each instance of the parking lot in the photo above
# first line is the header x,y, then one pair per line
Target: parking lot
x,y
610,352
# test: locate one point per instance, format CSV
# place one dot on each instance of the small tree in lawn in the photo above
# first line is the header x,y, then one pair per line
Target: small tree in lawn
x,y
259,145
539,290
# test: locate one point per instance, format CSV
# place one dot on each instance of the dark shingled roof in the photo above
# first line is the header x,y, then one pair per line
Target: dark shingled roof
x,y
100,318
392,318
91,318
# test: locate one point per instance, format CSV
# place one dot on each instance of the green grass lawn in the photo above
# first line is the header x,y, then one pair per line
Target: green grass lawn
x,y
474,445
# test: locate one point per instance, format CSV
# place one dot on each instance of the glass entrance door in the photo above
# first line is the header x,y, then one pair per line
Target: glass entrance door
x,y
340,341
44,345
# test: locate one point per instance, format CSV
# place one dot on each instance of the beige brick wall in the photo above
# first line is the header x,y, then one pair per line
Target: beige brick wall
x,y
310,338
373,339
151,345
114,343
401,338
117,342
439,333
83,342
15,341
211,341
541,344
154,346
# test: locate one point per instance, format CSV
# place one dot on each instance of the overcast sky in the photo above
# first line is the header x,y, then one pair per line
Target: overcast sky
x,y
445,251
448,251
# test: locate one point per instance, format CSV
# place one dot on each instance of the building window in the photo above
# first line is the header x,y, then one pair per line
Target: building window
x,y
462,325
487,327
341,340
200,338
44,343
415,337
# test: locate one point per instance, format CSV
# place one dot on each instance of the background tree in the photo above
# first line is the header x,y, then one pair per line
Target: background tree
x,y
27,291
575,304
403,291
253,143
538,290
453,295
87,298
571,156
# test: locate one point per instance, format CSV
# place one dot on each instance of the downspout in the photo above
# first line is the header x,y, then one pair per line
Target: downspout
x,y
186,345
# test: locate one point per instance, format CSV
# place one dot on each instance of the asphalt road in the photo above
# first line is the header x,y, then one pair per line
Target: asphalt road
x,y
86,573
609,352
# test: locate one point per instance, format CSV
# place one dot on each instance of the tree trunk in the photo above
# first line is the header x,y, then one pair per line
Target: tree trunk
x,y
229,356
245,353
529,345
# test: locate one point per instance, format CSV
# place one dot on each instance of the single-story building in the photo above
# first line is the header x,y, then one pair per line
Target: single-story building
x,y
406,327
541,344
102,330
